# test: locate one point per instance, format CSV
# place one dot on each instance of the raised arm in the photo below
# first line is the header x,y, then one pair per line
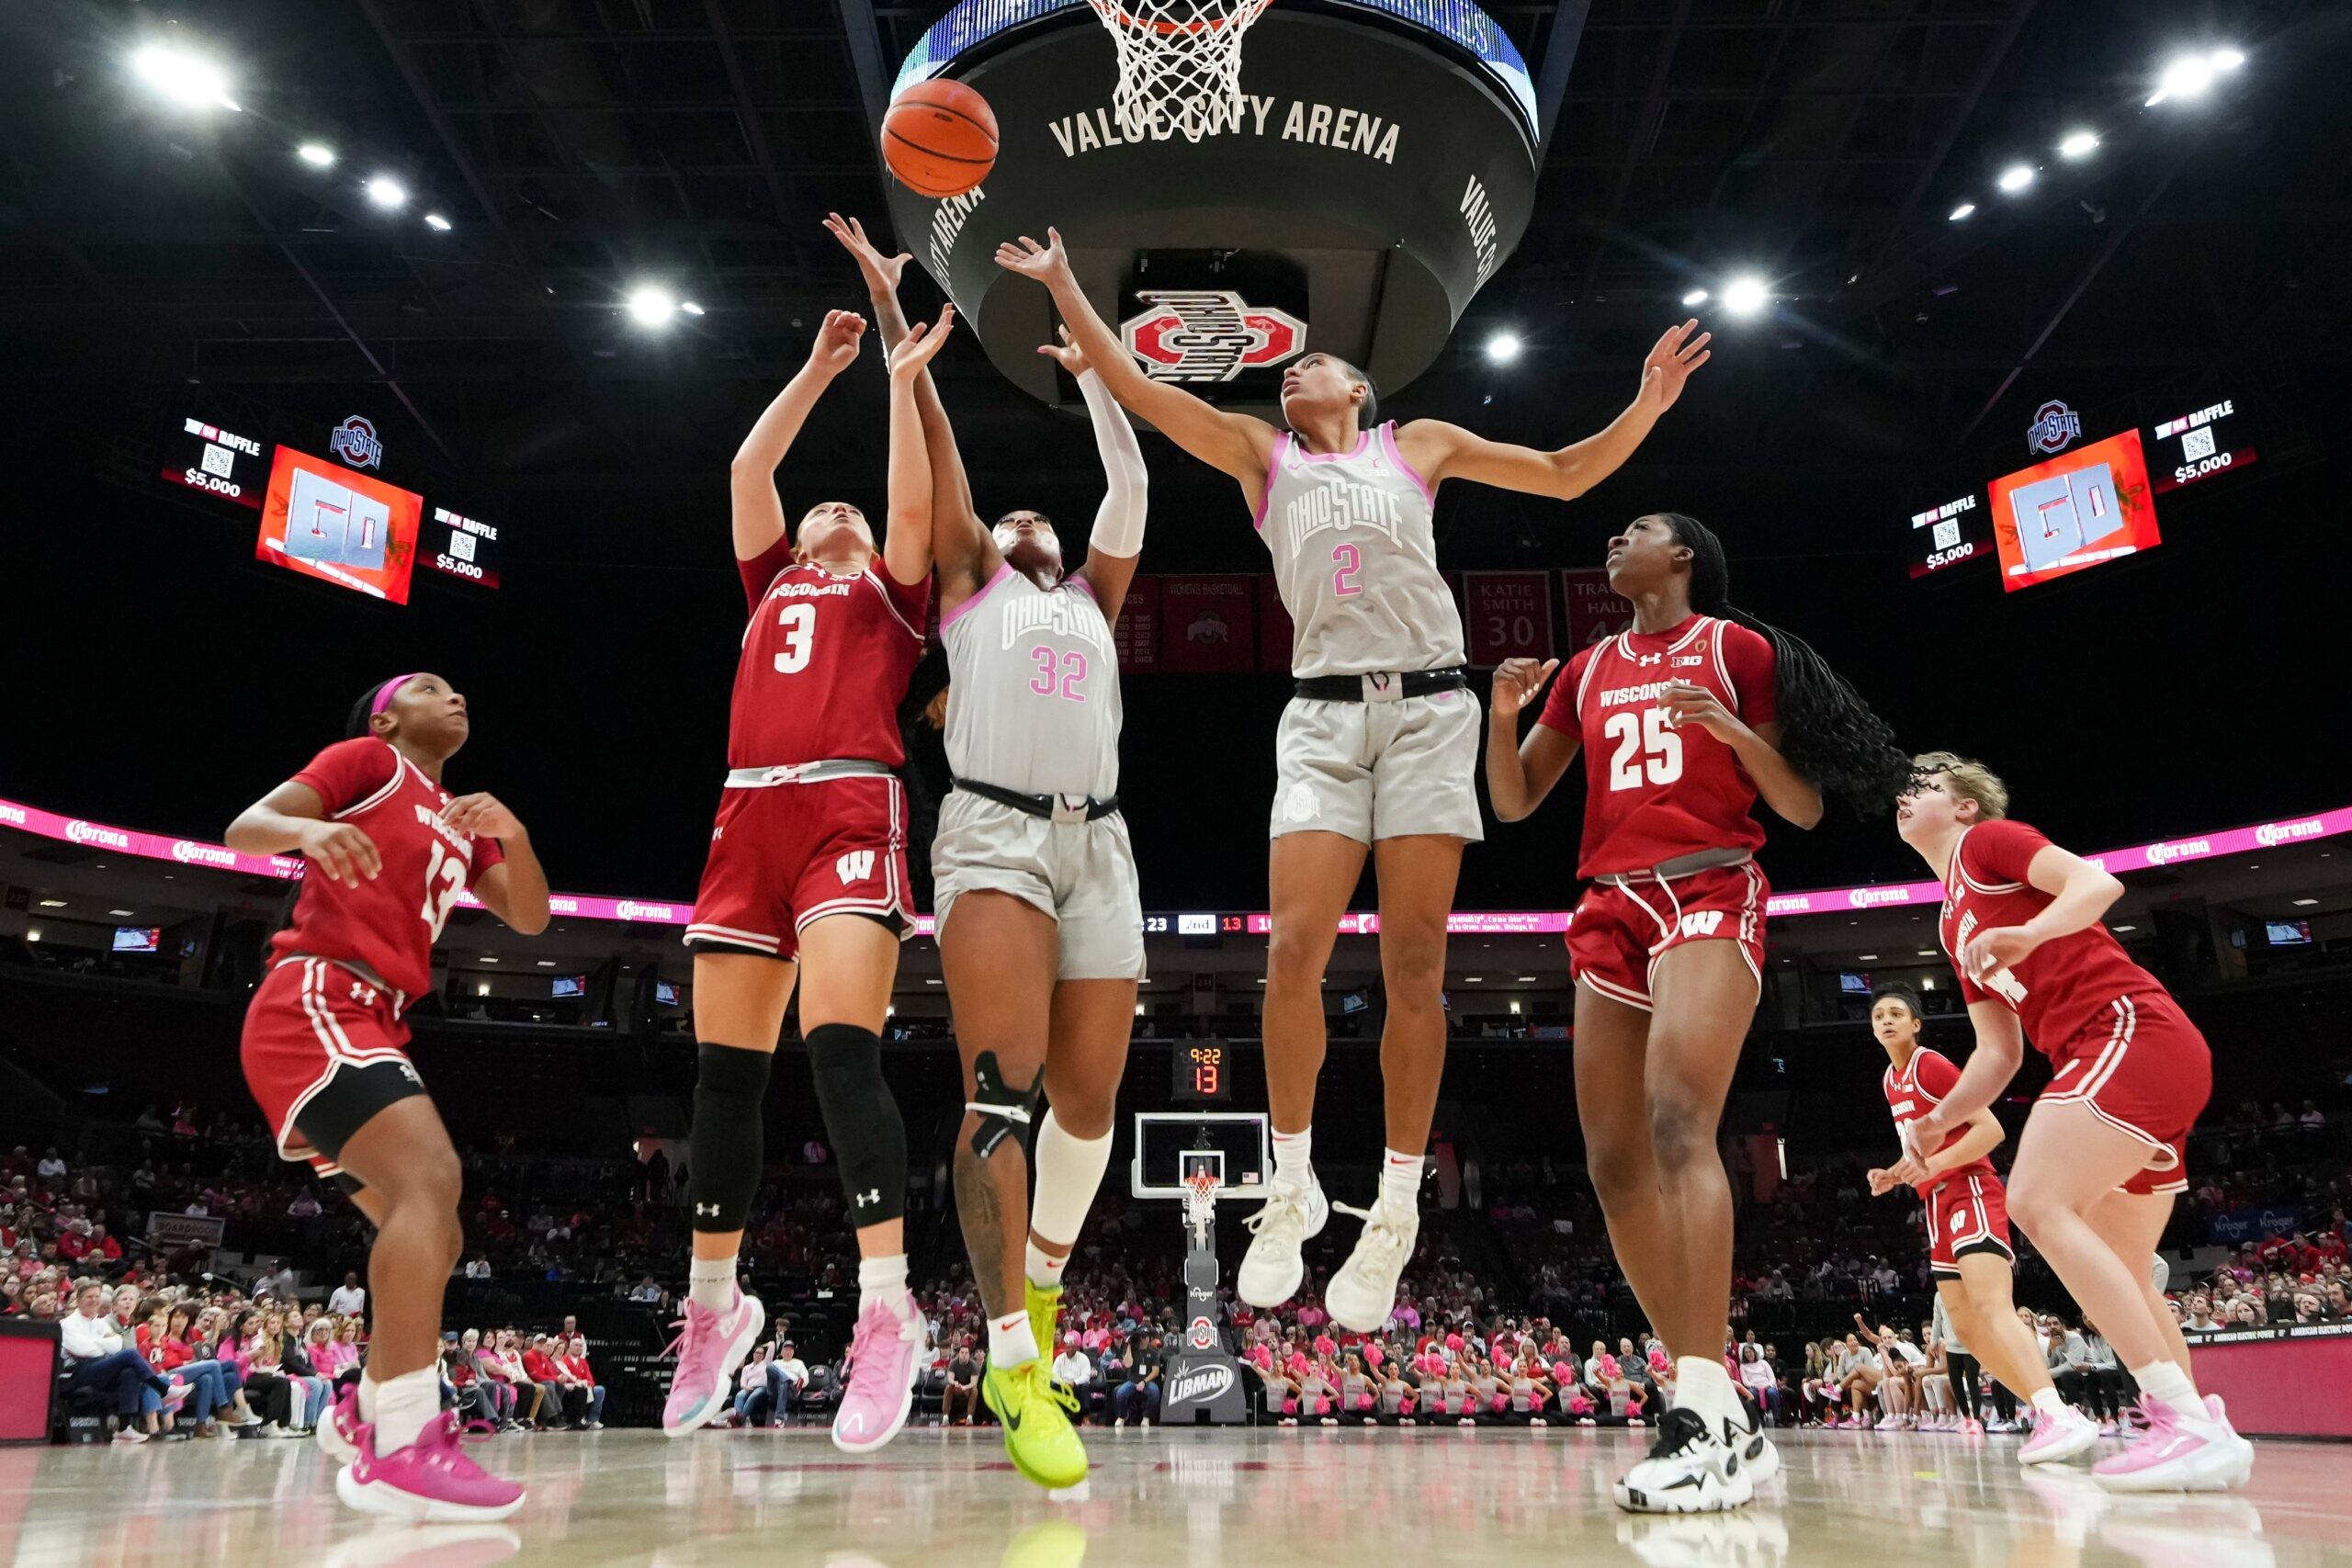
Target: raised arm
x,y
1116,544
1521,774
909,454
758,512
960,546
292,816
1443,451
1231,442
2080,894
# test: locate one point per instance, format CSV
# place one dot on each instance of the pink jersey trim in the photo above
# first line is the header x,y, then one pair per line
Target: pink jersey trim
x,y
958,613
1074,581
1363,438
1396,455
1273,466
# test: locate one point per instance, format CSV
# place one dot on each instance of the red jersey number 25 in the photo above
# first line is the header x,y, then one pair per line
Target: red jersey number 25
x,y
444,878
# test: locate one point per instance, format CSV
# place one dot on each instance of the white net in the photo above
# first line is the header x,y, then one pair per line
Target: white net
x,y
1200,1204
1179,64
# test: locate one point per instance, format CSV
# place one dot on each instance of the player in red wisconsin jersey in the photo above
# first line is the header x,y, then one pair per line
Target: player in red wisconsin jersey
x,y
1686,718
1968,1226
806,881
2100,1157
390,851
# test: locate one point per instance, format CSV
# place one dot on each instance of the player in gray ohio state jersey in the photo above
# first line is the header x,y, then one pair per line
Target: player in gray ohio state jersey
x,y
1040,922
1376,751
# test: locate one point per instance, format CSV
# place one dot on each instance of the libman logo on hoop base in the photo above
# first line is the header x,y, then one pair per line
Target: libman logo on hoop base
x,y
1209,334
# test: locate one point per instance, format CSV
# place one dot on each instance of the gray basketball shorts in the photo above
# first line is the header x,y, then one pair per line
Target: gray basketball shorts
x,y
1082,873
1374,771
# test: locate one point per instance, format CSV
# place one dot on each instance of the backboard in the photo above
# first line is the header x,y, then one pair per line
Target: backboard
x,y
1172,1144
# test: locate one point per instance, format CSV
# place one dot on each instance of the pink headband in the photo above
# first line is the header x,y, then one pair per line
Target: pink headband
x,y
385,692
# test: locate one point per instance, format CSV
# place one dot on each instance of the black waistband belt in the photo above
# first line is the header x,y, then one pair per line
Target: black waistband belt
x,y
1385,686
1053,807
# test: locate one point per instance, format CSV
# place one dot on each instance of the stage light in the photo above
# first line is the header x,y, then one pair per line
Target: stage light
x,y
652,304
1696,297
434,221
690,307
1503,347
2078,144
1745,296
2226,59
1965,210
387,192
2015,178
189,80
318,154
2186,77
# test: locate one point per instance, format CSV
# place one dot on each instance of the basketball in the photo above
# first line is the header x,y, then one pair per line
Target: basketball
x,y
939,138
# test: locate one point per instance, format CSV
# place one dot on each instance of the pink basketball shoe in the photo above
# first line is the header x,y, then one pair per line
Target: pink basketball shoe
x,y
884,1352
2058,1437
710,1346
340,1427
2179,1452
429,1481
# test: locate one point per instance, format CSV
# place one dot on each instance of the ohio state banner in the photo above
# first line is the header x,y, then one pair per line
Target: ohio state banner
x,y
1208,622
1507,614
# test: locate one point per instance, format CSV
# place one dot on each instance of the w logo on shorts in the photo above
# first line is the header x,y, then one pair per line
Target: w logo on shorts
x,y
1702,923
855,867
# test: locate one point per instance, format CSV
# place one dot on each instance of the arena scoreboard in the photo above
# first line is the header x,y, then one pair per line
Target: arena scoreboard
x,y
1203,1073
328,522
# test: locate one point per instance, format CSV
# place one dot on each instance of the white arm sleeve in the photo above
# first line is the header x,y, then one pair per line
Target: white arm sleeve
x,y
1118,524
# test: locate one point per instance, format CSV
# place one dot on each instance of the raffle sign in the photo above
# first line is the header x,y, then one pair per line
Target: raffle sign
x,y
1508,614
1209,624
1594,610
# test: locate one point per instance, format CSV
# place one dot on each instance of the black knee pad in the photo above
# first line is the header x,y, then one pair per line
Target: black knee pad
x,y
1004,1112
724,1151
862,1117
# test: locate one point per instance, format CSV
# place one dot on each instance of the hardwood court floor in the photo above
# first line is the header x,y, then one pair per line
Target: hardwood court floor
x,y
1226,1499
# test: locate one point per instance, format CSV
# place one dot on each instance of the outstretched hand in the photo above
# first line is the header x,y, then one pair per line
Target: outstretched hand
x,y
921,345
1067,353
1049,262
1679,351
837,340
881,272
1517,684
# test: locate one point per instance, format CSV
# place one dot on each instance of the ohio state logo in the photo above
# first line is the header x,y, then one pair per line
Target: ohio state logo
x,y
1203,1335
2054,428
355,442
1209,334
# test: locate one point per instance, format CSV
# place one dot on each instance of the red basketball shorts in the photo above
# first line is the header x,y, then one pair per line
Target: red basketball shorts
x,y
323,1054
1620,932
2144,1069
790,854
1966,1214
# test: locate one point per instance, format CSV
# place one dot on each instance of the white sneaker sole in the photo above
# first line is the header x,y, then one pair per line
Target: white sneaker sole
x,y
1762,1465
1712,1498
391,1503
906,1407
1257,1289
332,1443
722,1391
2216,1468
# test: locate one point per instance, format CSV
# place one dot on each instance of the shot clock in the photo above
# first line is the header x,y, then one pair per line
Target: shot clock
x,y
1204,1073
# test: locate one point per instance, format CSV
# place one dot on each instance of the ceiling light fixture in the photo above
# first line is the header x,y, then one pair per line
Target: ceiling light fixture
x,y
2015,178
650,305
435,222
387,192
1745,296
318,154
1965,210
1503,347
1696,297
2078,144
189,80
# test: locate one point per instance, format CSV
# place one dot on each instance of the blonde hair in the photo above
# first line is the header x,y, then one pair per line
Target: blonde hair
x,y
1971,780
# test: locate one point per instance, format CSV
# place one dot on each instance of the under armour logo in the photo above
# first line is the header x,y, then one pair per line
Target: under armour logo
x,y
855,866
409,1072
871,1195
706,1208
1646,660
363,993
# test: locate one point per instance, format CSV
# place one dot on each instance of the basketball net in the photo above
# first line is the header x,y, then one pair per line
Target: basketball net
x,y
1200,1205
1179,64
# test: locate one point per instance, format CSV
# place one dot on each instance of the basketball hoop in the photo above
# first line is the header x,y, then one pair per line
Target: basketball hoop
x,y
1179,64
1200,1201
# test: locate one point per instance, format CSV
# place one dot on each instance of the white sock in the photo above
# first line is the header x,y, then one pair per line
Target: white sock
x,y
1010,1341
367,1397
1400,1180
2048,1404
1700,1383
885,1280
2165,1381
1294,1159
1044,1269
405,1406
710,1283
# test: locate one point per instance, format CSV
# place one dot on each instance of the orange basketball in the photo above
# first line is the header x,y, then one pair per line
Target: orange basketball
x,y
939,138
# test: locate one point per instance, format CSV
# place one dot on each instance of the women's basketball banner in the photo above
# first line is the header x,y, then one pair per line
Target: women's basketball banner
x,y
1595,610
1507,614
1136,636
1209,624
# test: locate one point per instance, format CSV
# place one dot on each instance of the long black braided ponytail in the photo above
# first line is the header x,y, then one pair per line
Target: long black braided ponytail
x,y
1828,732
